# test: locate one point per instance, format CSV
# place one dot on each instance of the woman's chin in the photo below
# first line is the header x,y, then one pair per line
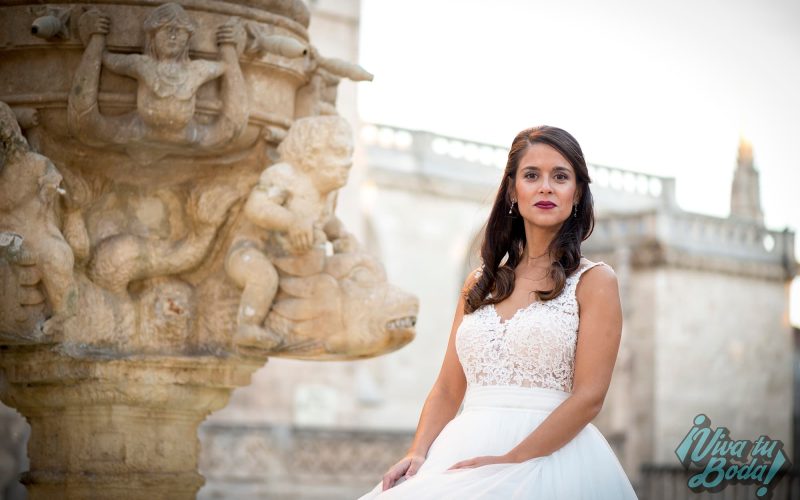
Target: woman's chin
x,y
545,221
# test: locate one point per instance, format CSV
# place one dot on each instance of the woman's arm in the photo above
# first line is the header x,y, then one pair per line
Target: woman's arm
x,y
596,353
447,393
441,405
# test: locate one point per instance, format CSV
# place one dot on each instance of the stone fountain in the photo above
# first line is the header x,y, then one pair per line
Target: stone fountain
x,y
168,182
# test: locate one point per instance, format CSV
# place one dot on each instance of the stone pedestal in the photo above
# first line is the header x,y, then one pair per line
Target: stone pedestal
x,y
116,428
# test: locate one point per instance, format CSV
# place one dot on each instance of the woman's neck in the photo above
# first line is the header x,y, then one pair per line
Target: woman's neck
x,y
535,261
536,251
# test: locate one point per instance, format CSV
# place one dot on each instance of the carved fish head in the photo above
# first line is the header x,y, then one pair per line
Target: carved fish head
x,y
348,311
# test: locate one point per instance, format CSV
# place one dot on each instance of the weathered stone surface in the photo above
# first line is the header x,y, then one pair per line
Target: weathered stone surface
x,y
169,177
115,428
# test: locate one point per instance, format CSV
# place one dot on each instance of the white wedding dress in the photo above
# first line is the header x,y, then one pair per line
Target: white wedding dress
x,y
517,372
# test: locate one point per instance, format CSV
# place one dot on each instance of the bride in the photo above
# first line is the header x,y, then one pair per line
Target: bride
x,y
531,351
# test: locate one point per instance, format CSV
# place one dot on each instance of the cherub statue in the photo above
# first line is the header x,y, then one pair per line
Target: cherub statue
x,y
29,190
168,85
288,220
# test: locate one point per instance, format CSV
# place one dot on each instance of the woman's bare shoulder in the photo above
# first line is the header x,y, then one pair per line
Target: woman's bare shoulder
x,y
596,276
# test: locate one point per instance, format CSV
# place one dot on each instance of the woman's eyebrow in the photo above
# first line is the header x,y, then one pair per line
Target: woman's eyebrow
x,y
557,167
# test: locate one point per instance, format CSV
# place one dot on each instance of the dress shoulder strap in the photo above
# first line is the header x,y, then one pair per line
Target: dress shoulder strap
x,y
585,268
576,276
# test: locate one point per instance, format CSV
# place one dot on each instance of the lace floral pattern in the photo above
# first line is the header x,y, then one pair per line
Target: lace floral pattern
x,y
533,348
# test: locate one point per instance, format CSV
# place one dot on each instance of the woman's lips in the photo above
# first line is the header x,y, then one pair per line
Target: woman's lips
x,y
545,205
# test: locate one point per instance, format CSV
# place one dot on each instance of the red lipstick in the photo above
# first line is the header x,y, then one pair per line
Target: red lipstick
x,y
545,205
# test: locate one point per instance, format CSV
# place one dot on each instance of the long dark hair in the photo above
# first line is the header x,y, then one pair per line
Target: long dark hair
x,y
505,234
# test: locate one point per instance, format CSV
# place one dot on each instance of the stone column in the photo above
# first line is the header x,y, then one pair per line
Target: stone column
x,y
168,183
116,428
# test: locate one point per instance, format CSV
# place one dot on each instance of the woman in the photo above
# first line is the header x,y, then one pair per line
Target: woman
x,y
531,351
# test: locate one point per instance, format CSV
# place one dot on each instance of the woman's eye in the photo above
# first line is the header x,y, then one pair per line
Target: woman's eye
x,y
561,177
530,175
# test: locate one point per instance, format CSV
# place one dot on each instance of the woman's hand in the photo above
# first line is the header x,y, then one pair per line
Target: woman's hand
x,y
405,468
479,461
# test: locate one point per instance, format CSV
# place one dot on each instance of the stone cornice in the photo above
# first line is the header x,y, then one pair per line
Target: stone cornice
x,y
183,384
700,242
416,160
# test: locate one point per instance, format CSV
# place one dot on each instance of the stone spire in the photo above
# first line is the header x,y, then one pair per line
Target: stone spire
x,y
745,191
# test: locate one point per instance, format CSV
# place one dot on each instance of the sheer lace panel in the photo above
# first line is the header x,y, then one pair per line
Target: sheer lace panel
x,y
534,348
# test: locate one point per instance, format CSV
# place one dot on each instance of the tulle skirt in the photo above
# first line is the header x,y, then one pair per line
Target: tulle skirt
x,y
494,420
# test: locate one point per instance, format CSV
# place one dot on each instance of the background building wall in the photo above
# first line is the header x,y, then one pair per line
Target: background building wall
x,y
724,348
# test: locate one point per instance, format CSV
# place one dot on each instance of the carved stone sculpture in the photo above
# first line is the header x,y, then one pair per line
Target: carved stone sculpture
x,y
261,43
318,97
347,310
168,82
32,245
285,217
168,183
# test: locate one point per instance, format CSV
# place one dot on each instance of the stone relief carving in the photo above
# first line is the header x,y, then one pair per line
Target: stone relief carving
x,y
30,237
285,214
168,184
124,257
52,23
318,97
168,81
288,219
346,311
260,43
191,264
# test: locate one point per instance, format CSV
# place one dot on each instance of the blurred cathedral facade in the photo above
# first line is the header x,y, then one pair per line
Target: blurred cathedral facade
x,y
705,300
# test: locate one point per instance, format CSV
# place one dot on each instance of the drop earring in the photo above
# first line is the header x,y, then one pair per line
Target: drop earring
x,y
512,206
575,210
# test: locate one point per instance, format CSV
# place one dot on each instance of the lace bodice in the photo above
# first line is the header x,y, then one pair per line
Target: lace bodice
x,y
534,348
